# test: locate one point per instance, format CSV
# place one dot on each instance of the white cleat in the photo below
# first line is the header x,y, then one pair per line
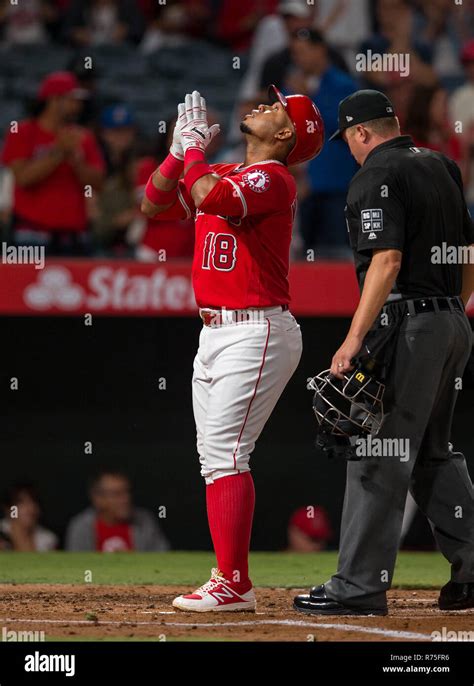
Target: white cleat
x,y
217,595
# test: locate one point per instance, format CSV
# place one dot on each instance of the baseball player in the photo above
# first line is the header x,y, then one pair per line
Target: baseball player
x,y
250,344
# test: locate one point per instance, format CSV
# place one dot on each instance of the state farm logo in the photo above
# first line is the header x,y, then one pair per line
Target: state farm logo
x,y
109,288
54,288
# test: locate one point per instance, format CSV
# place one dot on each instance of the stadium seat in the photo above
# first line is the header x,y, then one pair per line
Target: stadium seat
x,y
118,60
34,60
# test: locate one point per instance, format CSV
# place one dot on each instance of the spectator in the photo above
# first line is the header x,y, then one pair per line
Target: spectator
x,y
99,22
53,160
237,21
112,523
322,222
428,122
462,111
436,27
20,529
309,530
115,212
277,67
344,24
88,83
397,33
117,136
115,205
176,23
271,38
26,22
269,58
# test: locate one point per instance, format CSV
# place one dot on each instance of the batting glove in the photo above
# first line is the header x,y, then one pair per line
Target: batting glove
x,y
193,127
176,149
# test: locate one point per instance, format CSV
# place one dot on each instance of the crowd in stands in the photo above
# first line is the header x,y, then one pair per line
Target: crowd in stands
x,y
113,523
89,88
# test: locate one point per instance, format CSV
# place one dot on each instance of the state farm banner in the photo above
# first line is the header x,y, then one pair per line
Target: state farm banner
x,y
109,287
126,288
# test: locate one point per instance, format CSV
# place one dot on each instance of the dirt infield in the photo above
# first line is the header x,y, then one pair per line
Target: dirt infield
x,y
145,612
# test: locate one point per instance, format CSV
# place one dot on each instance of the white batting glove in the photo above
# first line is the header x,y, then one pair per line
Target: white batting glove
x,y
176,149
193,127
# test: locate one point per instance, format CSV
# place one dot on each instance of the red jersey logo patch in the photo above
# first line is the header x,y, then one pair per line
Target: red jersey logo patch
x,y
257,180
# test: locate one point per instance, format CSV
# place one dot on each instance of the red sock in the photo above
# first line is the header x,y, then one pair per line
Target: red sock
x,y
230,506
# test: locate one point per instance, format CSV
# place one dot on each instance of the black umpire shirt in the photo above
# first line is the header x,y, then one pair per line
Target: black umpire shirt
x,y
410,199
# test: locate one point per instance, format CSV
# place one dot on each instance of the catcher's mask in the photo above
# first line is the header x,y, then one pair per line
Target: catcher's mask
x,y
347,407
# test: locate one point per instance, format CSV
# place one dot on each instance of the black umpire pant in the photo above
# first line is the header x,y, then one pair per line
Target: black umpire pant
x,y
431,353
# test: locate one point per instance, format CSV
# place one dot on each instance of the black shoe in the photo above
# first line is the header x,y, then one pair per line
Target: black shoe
x,y
455,596
318,603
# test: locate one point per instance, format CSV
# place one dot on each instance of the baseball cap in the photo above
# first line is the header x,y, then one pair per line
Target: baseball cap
x,y
307,123
61,83
294,8
317,527
115,116
467,53
362,106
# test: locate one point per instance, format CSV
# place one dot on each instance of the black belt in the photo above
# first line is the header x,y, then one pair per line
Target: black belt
x,y
421,305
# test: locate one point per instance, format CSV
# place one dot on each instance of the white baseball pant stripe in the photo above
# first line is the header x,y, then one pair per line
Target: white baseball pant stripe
x,y
240,371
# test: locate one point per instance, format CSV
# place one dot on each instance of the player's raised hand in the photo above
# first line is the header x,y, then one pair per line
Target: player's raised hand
x,y
193,127
176,148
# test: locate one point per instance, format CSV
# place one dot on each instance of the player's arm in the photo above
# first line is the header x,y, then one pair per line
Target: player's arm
x,y
194,136
166,189
164,193
202,188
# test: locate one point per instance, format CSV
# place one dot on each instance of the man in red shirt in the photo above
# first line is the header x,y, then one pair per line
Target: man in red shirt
x,y
113,523
250,344
56,166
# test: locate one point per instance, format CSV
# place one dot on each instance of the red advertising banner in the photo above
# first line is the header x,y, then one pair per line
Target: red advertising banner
x,y
127,288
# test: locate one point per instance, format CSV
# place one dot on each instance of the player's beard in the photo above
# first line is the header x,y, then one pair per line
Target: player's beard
x,y
245,128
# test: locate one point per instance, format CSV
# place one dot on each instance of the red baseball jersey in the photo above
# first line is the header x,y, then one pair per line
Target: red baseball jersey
x,y
242,235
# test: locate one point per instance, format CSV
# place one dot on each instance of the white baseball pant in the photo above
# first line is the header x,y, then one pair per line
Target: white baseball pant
x,y
240,371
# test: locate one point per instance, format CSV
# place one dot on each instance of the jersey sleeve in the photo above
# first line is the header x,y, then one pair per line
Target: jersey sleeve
x,y
182,208
258,190
378,212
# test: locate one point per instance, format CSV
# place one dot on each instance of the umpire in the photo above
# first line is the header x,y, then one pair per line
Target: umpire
x,y
405,212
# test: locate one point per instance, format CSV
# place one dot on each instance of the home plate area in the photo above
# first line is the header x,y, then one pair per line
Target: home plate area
x,y
139,613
